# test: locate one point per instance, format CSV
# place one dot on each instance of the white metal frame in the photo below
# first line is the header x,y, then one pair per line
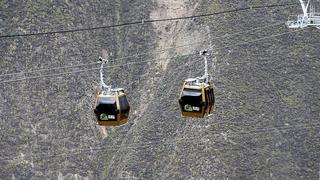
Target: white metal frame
x,y
306,19
198,81
106,89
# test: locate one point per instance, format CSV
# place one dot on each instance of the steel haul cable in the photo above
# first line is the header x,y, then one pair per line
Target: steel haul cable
x,y
153,60
144,21
273,36
259,130
262,38
263,130
139,54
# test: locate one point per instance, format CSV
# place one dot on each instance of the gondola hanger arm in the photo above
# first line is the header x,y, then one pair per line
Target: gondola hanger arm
x,y
103,85
205,53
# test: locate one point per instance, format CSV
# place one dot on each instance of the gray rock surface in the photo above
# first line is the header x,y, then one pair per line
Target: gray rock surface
x,y
266,123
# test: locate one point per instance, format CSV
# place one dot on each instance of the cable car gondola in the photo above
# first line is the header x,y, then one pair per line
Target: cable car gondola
x,y
197,96
111,105
112,109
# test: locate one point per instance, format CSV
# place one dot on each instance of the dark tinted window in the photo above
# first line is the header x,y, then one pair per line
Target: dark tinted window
x,y
124,105
191,100
212,95
107,108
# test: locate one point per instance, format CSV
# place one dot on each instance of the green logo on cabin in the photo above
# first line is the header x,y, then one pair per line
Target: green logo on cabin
x,y
103,116
188,107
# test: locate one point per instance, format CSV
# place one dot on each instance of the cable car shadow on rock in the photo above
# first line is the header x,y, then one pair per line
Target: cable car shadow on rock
x,y
111,106
197,96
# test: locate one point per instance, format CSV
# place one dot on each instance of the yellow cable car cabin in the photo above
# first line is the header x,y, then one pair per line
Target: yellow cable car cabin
x,y
196,98
112,108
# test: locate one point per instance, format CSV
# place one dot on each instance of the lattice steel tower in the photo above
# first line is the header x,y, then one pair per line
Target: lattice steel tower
x,y
309,18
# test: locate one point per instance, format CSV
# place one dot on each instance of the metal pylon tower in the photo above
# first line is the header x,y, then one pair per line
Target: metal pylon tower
x,y
309,18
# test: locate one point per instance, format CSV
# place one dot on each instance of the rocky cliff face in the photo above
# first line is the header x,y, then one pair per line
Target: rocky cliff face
x,y
266,123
